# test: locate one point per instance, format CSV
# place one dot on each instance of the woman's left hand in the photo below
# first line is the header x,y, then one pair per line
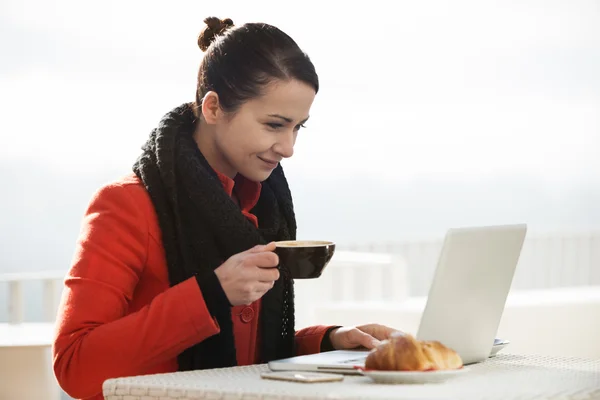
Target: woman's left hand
x,y
351,337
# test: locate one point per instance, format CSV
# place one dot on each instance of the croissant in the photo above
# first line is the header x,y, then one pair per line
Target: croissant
x,y
402,352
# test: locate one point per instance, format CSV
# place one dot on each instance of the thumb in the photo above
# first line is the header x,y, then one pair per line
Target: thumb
x,y
262,247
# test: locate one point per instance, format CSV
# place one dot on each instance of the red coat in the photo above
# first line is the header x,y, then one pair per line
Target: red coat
x,y
119,316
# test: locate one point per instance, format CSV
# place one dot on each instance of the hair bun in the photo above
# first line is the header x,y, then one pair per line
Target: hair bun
x,y
214,27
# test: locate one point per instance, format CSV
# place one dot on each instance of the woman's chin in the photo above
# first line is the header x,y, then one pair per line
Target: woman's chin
x,y
257,175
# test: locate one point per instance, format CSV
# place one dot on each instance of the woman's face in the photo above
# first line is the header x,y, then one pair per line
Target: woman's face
x,y
253,140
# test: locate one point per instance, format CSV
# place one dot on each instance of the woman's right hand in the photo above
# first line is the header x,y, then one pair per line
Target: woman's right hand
x,y
247,276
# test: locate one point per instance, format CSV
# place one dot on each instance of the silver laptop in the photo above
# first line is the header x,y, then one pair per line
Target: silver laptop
x,y
465,302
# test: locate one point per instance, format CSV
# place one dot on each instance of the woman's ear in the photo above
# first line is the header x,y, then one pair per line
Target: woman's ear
x,y
210,107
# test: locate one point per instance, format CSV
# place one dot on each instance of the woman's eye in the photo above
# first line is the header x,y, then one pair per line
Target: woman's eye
x,y
300,126
273,125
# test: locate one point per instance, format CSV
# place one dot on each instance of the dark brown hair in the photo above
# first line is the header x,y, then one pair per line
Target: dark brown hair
x,y
239,61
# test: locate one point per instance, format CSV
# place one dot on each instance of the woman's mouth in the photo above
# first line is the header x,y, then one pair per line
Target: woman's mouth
x,y
269,163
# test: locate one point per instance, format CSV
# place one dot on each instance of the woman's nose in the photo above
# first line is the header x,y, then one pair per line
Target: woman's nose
x,y
285,145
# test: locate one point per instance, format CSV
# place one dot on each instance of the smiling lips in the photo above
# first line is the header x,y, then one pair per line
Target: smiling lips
x,y
270,163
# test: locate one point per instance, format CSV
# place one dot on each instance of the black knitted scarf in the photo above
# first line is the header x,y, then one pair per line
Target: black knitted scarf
x,y
202,227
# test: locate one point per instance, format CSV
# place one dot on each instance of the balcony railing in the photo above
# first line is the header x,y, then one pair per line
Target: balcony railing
x,y
378,271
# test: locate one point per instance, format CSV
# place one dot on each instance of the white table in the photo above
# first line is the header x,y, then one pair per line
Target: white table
x,y
503,377
25,362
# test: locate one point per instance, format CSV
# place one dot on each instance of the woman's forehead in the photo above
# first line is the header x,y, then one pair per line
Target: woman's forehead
x,y
288,99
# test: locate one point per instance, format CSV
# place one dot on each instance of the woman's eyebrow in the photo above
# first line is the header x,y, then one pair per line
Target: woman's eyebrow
x,y
287,119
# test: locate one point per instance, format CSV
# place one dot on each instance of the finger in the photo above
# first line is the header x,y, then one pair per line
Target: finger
x,y
379,332
256,249
270,246
395,332
262,247
265,259
267,274
383,332
374,343
364,339
263,287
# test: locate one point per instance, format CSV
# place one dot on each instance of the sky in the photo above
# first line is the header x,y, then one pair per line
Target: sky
x,y
463,89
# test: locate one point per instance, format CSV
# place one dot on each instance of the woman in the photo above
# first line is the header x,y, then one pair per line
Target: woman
x,y
174,268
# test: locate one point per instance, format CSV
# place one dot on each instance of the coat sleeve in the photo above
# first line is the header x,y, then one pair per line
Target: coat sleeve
x,y
313,339
97,336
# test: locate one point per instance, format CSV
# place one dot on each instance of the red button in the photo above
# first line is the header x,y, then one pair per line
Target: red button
x,y
247,314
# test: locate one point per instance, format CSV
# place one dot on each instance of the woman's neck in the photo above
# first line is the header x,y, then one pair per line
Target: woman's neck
x,y
204,135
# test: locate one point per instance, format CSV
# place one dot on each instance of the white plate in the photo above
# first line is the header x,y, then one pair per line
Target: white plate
x,y
396,377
